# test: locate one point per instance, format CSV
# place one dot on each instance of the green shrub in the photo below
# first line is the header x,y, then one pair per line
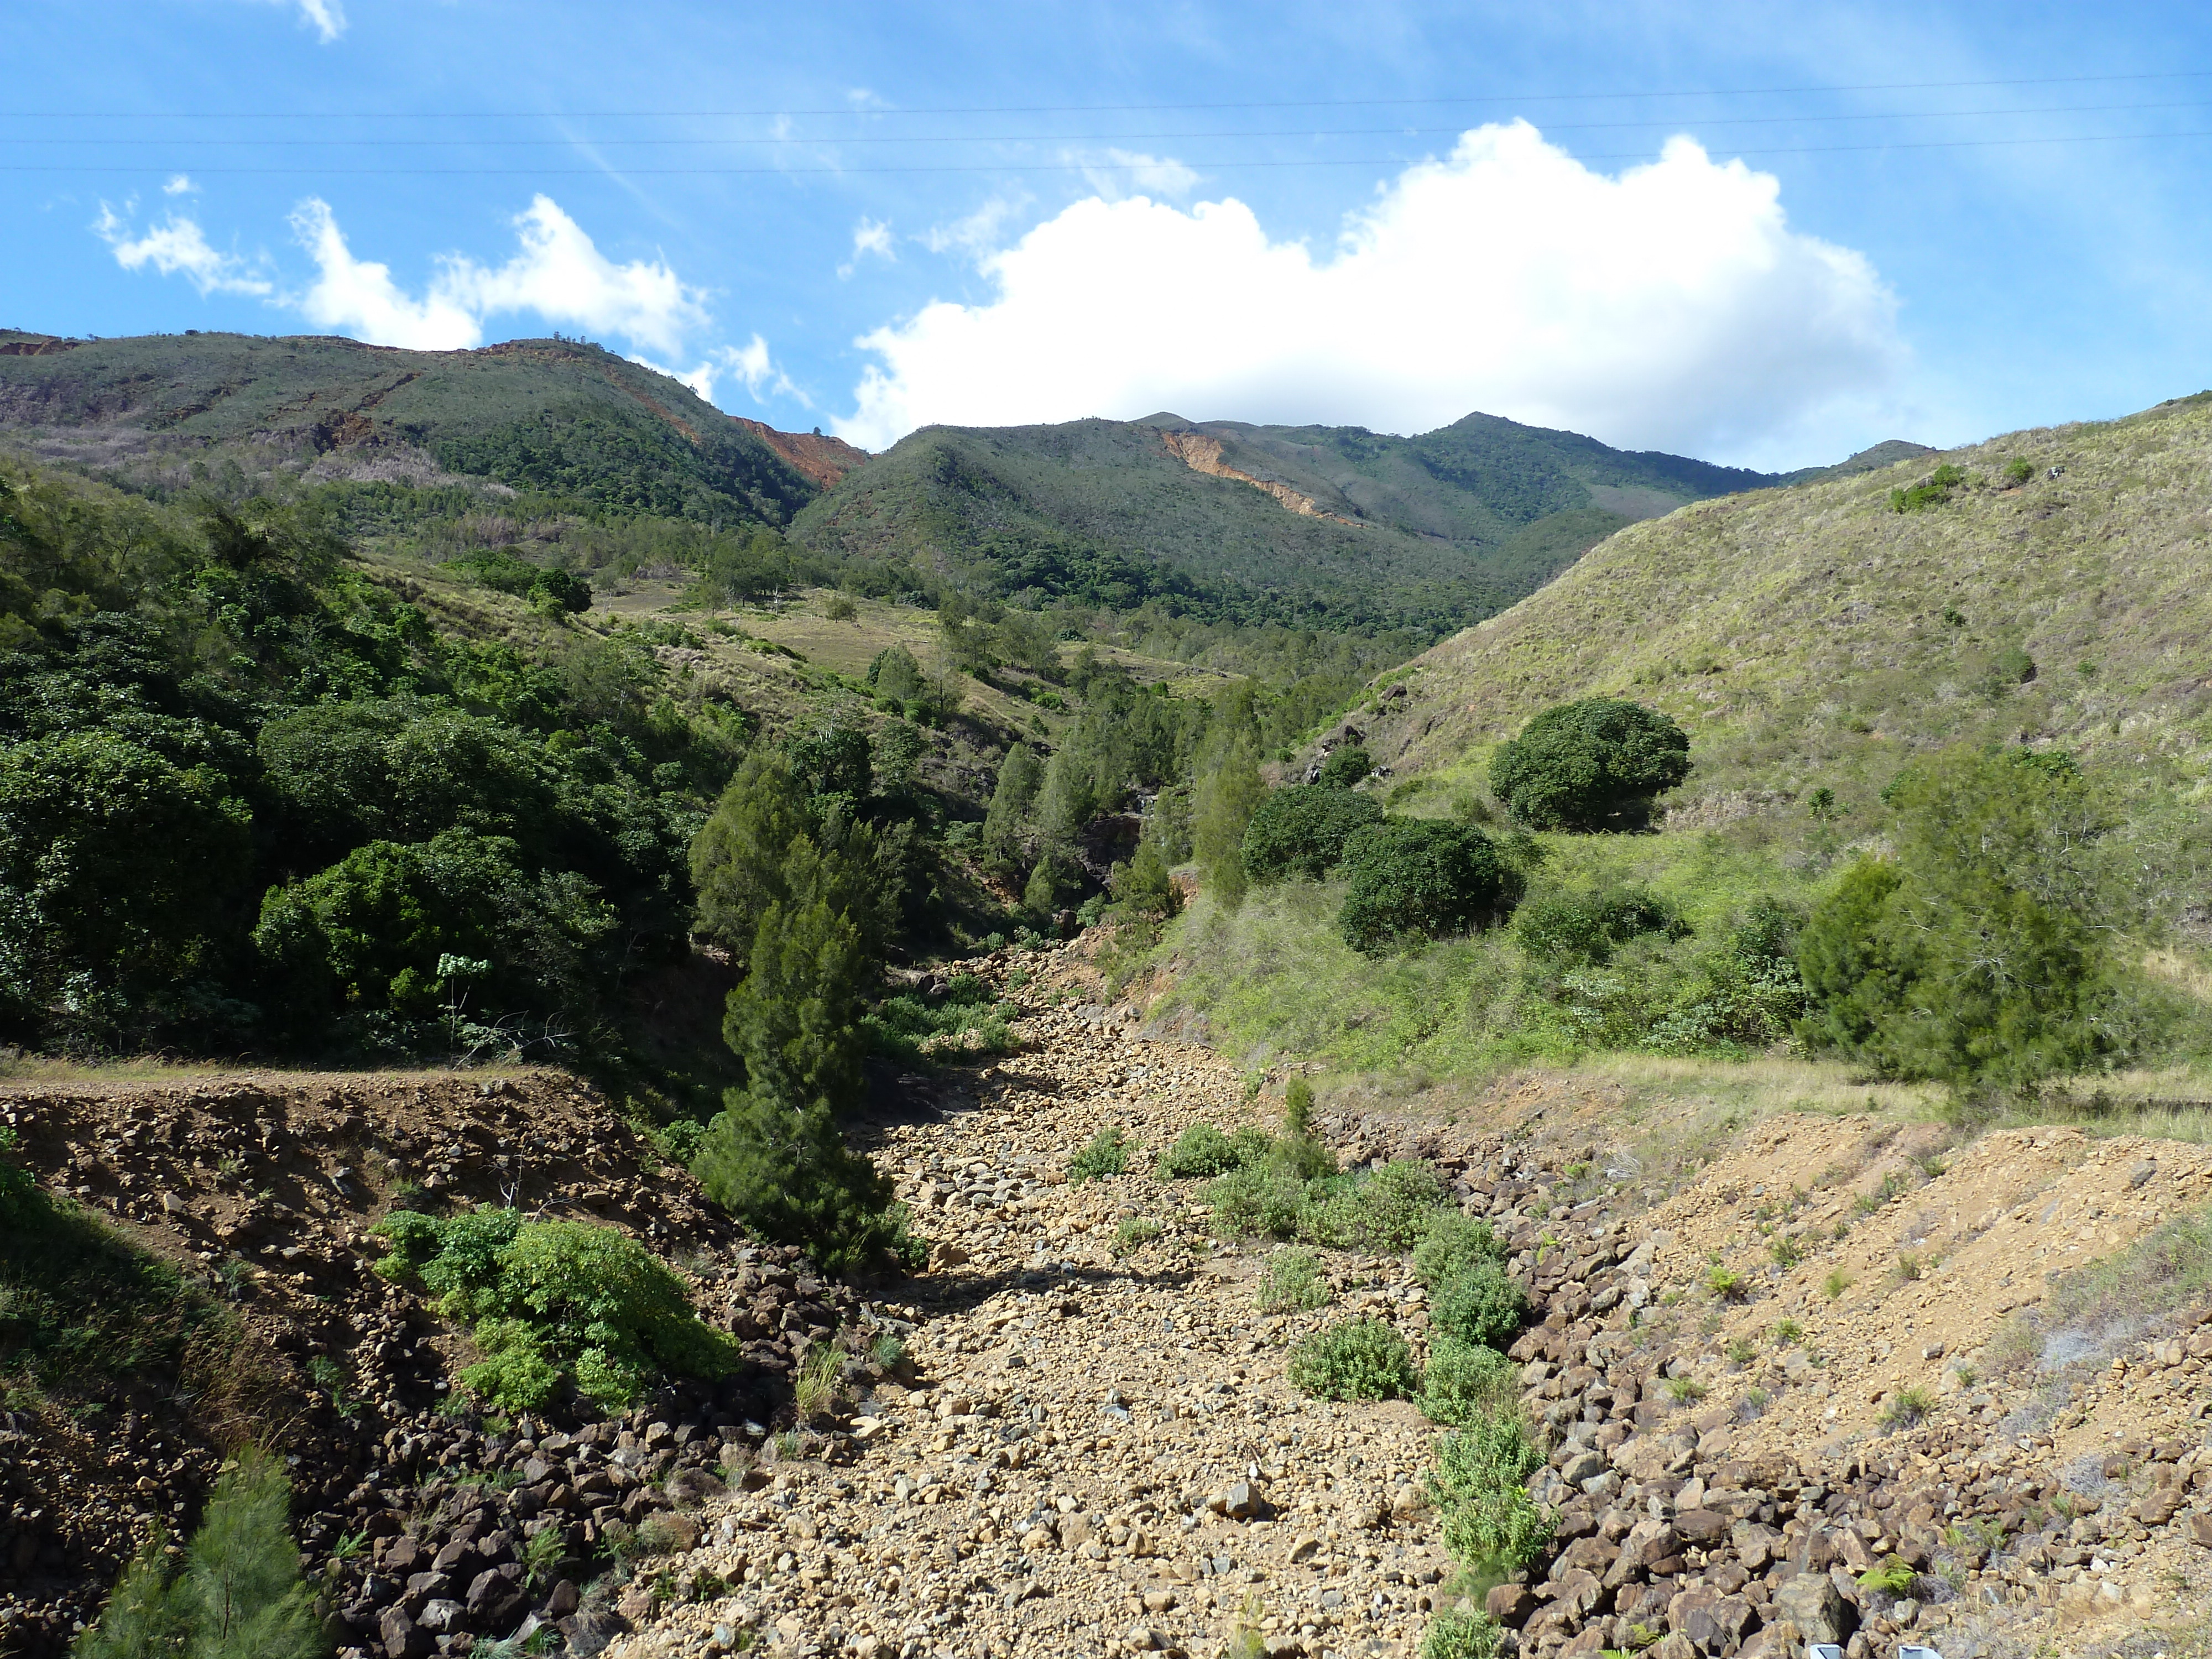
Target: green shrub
x,y
1200,1153
1480,1304
1453,1243
2019,470
1414,879
787,1174
1301,831
1975,956
1356,1359
1106,1153
1590,765
1399,1202
238,1593
1463,1382
1256,1201
1346,765
1907,1408
556,1299
1894,1577
1291,1282
1490,1521
1567,929
1455,1635
1931,493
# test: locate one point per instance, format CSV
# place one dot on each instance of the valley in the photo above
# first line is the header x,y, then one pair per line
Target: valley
x,y
1165,1036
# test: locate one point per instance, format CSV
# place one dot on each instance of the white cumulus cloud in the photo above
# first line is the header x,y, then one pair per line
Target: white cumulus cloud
x,y
181,183
178,247
1672,306
557,273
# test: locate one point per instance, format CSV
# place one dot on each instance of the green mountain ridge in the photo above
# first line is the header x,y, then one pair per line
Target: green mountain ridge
x,y
1334,526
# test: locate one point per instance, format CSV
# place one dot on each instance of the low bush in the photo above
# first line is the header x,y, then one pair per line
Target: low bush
x,y
1907,1408
788,1174
1201,1152
1291,1282
1480,1305
1455,1635
1398,1203
1356,1359
553,1302
909,1031
1453,1244
1463,1382
1106,1153
1572,929
1490,1521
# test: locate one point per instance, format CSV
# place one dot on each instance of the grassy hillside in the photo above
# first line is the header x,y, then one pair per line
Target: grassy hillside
x,y
1809,639
1817,635
553,417
1381,533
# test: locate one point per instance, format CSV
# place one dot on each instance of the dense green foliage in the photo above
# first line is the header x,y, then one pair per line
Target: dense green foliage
x,y
1413,879
1354,1359
237,1594
554,1303
1975,954
1595,764
1106,1153
1302,830
247,796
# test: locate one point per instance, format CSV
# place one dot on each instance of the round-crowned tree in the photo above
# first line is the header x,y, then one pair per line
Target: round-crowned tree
x,y
1595,764
1416,878
1302,830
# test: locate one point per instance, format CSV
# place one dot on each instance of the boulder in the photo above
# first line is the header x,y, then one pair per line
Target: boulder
x,y
1811,1602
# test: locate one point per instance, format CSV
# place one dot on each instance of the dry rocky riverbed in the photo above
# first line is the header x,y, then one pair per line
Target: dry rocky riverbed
x,y
1762,1369
1094,1451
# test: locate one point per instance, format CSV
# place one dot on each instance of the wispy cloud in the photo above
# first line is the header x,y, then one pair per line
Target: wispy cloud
x,y
976,233
870,238
181,183
326,17
178,247
1119,171
751,363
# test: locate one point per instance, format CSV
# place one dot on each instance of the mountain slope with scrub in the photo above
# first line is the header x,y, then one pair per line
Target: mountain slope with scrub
x,y
1336,525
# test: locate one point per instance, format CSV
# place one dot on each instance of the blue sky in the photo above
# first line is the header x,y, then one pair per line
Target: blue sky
x,y
1761,234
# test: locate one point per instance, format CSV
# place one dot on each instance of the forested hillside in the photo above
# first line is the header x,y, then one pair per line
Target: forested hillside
x,y
1334,526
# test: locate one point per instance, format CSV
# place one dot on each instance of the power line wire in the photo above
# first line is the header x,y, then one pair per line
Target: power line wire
x,y
882,111
1040,167
1106,137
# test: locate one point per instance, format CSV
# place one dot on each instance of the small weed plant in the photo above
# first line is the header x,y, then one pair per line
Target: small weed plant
x,y
1133,1232
1291,1282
